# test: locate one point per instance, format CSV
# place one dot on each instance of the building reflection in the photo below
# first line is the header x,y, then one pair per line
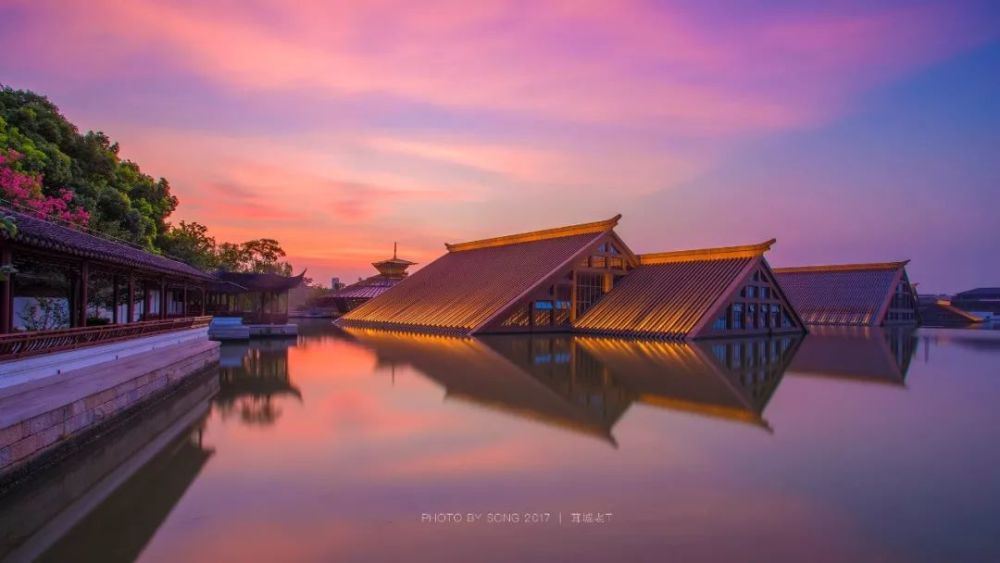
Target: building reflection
x,y
107,504
872,354
252,376
587,383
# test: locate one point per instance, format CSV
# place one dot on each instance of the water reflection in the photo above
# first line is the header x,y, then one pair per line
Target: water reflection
x,y
253,375
106,504
863,354
586,384
333,445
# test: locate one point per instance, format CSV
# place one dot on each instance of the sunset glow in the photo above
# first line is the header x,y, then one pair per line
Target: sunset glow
x,y
852,132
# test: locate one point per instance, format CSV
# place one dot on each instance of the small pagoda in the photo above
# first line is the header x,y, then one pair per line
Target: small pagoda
x,y
390,272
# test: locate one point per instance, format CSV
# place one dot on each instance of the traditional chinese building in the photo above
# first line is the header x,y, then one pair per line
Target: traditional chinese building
x,y
390,272
852,294
65,287
259,298
584,278
63,278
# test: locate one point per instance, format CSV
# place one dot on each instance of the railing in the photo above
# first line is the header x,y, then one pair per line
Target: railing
x,y
21,344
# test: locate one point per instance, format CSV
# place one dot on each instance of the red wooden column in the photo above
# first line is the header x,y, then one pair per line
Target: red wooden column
x,y
82,294
204,298
130,308
163,299
184,301
114,299
6,295
146,305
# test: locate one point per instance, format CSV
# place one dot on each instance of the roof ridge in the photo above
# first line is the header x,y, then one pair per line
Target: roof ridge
x,y
531,236
717,253
842,267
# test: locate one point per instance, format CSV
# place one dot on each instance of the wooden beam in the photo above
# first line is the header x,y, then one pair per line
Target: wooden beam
x,y
184,301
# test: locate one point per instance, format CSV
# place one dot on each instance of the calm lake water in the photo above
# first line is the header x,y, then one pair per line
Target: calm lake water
x,y
362,445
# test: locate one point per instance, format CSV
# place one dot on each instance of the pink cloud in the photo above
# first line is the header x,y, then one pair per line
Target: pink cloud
x,y
591,62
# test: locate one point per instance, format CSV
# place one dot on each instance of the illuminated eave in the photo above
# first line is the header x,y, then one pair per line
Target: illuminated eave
x,y
720,253
876,266
545,234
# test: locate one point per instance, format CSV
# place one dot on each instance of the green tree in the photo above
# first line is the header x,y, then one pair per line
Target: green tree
x,y
191,243
122,200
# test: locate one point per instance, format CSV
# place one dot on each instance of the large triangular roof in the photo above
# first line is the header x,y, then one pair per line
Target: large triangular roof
x,y
842,294
475,281
672,294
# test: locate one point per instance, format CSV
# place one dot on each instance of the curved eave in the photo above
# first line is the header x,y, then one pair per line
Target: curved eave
x,y
719,253
544,234
43,243
876,266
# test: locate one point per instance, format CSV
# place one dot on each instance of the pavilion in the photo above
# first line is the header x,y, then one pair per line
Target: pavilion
x,y
390,272
875,294
584,278
258,298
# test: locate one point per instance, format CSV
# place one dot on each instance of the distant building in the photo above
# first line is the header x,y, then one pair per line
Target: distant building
x,y
937,311
583,278
979,300
390,272
851,294
336,284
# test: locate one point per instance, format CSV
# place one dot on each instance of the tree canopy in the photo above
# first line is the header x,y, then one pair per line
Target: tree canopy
x,y
121,200
52,169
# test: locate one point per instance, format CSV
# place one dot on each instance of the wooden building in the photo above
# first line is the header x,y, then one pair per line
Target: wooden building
x,y
584,278
259,298
70,287
876,294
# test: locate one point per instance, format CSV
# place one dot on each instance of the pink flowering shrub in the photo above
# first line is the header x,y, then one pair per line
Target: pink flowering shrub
x,y
24,192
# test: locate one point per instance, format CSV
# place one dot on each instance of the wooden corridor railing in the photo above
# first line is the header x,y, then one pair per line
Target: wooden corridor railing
x,y
21,344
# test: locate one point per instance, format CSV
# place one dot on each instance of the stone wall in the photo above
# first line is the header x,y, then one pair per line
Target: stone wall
x,y
82,401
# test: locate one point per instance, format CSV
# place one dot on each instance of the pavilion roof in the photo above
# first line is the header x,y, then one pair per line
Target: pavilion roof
x,y
45,235
249,281
669,294
842,294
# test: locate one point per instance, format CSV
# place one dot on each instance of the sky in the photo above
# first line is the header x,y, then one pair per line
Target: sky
x,y
849,131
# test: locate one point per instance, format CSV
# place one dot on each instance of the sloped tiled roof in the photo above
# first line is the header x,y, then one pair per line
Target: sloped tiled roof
x,y
367,288
261,282
42,234
845,294
475,281
670,292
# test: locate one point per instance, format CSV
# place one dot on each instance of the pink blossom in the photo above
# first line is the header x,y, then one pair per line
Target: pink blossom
x,y
24,193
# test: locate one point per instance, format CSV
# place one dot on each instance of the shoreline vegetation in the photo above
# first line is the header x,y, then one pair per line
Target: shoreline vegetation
x,y
51,170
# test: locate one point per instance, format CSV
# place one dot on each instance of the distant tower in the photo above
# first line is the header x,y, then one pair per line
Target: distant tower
x,y
394,268
335,283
